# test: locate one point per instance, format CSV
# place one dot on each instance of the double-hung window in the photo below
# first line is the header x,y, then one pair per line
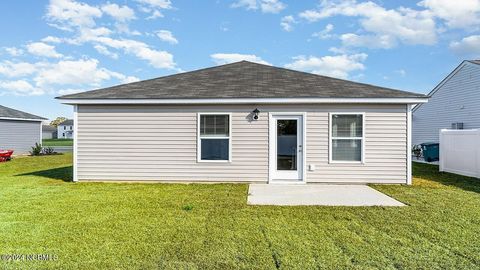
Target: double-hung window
x,y
214,137
346,137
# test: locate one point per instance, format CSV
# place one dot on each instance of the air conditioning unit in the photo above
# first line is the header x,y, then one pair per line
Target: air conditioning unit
x,y
457,125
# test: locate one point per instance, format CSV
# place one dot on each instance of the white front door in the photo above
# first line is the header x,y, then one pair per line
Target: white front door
x,y
286,148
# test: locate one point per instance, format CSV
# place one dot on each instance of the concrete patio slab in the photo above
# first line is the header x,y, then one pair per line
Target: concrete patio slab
x,y
318,194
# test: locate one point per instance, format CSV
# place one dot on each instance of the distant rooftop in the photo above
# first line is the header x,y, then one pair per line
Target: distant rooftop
x,y
68,122
6,112
48,128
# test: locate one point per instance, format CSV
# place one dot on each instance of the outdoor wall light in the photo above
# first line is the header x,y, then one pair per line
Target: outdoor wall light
x,y
255,114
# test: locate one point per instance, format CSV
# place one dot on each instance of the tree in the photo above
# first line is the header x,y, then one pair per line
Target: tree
x,y
58,121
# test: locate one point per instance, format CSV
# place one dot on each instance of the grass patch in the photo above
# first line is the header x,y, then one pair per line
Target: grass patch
x,y
147,226
57,142
187,207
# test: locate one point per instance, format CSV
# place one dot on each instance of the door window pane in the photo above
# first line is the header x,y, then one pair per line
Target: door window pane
x,y
347,150
287,144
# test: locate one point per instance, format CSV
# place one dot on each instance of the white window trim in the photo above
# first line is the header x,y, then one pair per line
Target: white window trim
x,y
199,145
330,139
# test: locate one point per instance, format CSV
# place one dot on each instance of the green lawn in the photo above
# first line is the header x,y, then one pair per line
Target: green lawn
x,y
57,142
144,226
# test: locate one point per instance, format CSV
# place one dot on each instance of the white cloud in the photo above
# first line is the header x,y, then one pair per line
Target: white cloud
x,y
156,58
42,49
325,33
11,69
369,41
247,4
467,46
336,66
13,51
337,50
51,39
42,77
80,17
226,58
66,14
20,88
163,4
266,6
121,14
91,34
72,72
130,79
272,6
402,24
287,23
154,6
457,14
103,50
167,36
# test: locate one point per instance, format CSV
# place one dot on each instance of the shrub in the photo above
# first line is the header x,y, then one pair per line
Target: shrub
x,y
36,150
49,151
187,207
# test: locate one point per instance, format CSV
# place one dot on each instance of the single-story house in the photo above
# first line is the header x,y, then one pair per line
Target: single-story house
x,y
243,122
49,132
65,129
453,104
19,131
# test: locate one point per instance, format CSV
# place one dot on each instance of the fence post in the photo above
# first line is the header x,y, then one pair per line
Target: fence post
x,y
477,153
441,154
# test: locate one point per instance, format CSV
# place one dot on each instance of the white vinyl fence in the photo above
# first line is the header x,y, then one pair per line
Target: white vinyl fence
x,y
460,151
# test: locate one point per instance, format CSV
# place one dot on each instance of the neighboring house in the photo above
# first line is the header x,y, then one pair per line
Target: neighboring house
x,y
49,132
453,104
19,131
243,122
65,129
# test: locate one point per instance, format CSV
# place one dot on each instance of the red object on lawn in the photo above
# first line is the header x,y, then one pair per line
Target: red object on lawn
x,y
5,155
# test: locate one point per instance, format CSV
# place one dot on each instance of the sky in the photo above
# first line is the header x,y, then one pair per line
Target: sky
x,y
57,47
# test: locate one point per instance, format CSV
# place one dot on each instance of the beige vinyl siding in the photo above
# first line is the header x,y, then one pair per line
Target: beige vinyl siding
x,y
153,142
160,143
385,135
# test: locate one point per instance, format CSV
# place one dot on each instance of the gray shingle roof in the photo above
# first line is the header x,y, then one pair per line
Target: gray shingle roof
x,y
68,122
474,61
6,112
49,128
243,80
